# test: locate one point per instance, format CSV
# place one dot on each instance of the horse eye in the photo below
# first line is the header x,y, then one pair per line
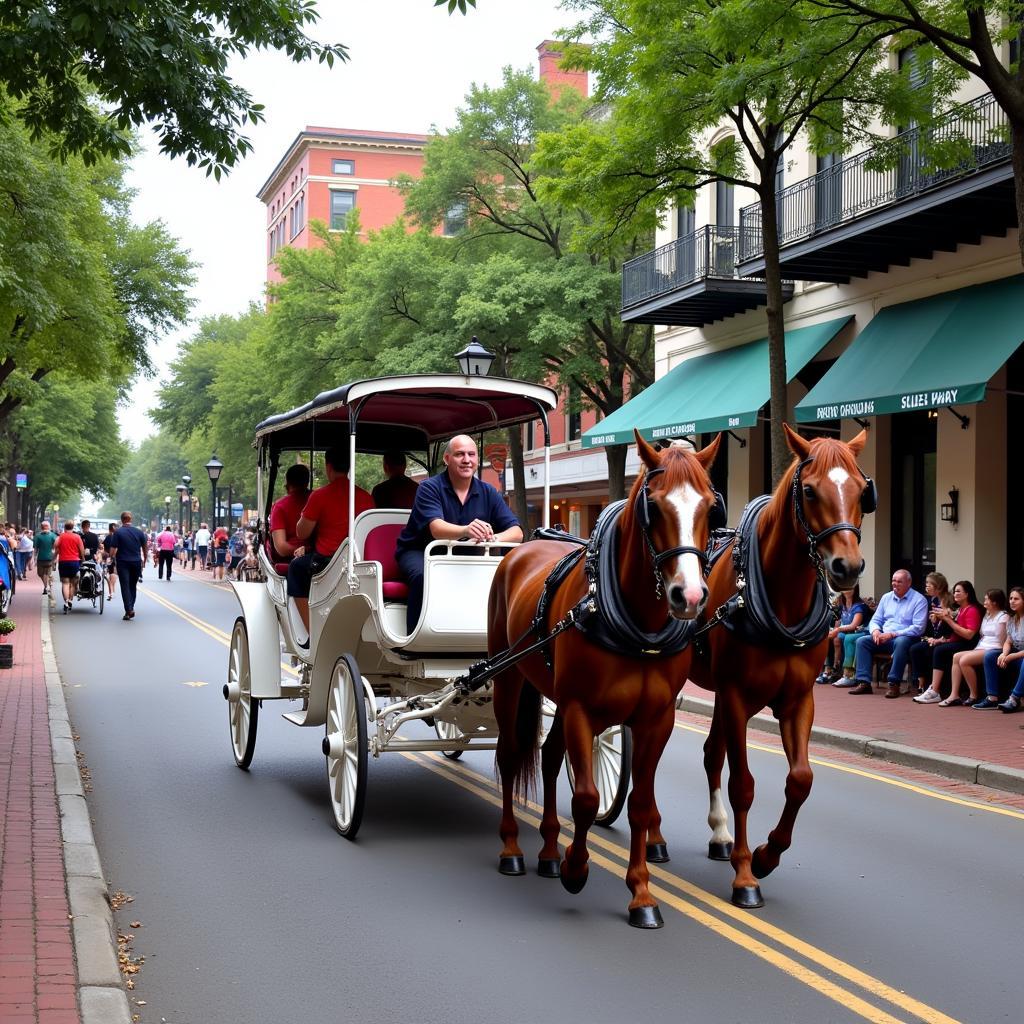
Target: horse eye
x,y
809,492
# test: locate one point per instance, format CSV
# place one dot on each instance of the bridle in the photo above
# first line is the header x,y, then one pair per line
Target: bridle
x,y
658,558
868,502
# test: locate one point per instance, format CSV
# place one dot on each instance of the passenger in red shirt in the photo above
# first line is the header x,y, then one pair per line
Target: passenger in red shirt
x,y
326,513
284,516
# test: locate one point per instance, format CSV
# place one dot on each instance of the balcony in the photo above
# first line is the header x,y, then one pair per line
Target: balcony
x,y
691,281
852,219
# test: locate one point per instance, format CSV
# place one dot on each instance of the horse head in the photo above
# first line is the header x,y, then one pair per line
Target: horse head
x,y
671,502
831,495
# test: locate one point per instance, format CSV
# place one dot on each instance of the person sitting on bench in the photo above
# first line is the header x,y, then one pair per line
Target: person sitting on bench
x,y
454,505
285,513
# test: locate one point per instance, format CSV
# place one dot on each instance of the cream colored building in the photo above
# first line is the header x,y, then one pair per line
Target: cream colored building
x,y
888,267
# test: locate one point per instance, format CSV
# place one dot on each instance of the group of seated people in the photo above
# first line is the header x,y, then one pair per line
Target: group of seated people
x,y
944,635
307,528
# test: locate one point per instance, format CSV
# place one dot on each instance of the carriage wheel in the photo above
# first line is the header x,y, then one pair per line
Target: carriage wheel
x,y
345,745
449,731
613,755
243,711
103,595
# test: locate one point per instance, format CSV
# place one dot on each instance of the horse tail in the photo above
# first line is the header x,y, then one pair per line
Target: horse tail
x,y
527,731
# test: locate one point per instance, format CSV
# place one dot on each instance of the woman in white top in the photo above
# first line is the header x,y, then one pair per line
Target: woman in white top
x,y
991,638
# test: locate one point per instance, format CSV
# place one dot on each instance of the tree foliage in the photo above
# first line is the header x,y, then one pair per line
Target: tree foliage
x,y
159,61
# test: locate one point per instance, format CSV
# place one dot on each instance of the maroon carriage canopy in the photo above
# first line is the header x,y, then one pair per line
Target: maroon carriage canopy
x,y
407,413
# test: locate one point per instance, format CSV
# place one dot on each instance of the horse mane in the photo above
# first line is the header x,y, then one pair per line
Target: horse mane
x,y
828,454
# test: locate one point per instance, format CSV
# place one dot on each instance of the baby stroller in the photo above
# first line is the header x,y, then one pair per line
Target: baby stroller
x,y
90,584
8,576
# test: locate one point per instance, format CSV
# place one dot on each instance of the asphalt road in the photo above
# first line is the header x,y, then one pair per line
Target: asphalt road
x,y
896,903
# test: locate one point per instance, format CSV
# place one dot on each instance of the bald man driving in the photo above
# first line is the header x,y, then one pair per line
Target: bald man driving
x,y
454,505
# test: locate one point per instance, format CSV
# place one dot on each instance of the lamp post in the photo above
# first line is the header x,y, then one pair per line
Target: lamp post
x,y
474,359
181,489
167,511
187,482
214,468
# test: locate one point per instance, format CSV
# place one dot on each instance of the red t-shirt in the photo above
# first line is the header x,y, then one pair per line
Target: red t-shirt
x,y
69,547
327,506
969,617
285,515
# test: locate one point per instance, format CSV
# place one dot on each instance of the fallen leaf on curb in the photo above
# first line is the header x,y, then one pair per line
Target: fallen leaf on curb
x,y
136,924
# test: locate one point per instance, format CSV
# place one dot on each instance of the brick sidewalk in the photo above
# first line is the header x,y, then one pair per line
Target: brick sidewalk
x,y
37,966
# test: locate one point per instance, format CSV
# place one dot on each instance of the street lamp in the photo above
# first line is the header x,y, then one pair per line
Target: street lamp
x,y
181,489
214,468
189,490
474,359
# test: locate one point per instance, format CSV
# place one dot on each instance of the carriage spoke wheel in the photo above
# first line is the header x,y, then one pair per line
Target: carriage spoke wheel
x,y
613,755
102,594
345,745
243,711
449,731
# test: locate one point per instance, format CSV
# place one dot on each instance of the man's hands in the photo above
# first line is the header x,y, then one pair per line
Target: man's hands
x,y
480,531
881,638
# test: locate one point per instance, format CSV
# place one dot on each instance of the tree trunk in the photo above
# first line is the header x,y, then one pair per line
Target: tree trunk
x,y
519,503
616,454
778,407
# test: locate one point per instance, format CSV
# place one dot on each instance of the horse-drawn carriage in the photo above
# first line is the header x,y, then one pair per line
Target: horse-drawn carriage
x,y
362,677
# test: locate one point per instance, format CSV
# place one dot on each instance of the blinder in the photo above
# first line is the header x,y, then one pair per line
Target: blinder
x,y
869,496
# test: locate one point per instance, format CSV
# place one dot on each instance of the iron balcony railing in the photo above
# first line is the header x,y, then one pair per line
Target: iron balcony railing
x,y
968,138
707,252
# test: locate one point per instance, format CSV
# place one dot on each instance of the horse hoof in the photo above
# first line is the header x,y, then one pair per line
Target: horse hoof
x,y
512,866
646,917
719,851
548,867
759,866
573,885
748,897
657,853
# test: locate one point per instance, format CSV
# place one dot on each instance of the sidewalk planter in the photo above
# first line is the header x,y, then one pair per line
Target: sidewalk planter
x,y
7,626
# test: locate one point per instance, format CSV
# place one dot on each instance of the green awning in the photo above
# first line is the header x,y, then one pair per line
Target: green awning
x,y
718,391
923,354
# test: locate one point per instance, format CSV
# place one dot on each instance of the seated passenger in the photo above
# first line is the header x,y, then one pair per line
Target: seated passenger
x,y
454,505
285,513
954,630
326,512
397,490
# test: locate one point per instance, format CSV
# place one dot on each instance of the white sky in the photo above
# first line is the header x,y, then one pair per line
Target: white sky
x,y
410,67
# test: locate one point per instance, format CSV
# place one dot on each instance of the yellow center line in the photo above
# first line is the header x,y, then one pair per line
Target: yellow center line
x,y
467,779
888,780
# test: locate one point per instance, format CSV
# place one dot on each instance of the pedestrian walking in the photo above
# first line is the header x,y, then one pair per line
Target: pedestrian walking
x,y
220,552
202,544
165,552
70,555
43,543
108,558
23,553
129,548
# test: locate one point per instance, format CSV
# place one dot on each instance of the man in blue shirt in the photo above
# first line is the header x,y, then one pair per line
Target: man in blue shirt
x,y
129,546
454,505
899,620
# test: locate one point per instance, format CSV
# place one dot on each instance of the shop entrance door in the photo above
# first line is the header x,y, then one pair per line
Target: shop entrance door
x,y
913,494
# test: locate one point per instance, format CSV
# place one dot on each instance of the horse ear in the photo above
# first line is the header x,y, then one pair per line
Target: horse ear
x,y
856,444
706,456
648,454
797,445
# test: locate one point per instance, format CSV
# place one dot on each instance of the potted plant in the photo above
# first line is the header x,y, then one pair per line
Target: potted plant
x,y
6,651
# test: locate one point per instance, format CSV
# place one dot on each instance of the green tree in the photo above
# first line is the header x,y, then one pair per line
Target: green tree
x,y
149,475
675,72
971,36
488,166
158,61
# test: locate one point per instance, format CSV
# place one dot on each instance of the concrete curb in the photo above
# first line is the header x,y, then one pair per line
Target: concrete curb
x,y
101,996
963,769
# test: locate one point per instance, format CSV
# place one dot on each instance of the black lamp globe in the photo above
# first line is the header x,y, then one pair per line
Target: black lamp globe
x,y
186,480
214,468
474,359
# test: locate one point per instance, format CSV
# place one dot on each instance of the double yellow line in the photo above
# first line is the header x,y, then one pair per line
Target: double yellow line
x,y
720,916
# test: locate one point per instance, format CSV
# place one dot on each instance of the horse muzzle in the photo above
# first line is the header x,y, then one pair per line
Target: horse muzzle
x,y
686,602
843,573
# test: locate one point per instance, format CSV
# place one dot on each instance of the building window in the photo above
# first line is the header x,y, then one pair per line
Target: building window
x,y
454,220
685,221
725,204
298,212
575,423
343,167
341,203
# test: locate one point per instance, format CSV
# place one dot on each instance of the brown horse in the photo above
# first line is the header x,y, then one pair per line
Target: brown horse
x,y
656,554
808,532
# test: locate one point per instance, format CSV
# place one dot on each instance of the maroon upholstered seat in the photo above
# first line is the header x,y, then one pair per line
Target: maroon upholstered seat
x,y
380,547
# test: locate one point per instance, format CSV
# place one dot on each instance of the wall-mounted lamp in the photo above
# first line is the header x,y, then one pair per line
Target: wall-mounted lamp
x,y
949,511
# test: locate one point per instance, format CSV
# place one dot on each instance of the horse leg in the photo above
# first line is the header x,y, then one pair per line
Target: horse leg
x,y
648,746
552,754
795,728
509,757
657,848
579,743
746,893
720,844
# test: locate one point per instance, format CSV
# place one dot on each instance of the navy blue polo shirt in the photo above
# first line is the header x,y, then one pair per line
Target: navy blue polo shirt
x,y
129,541
436,499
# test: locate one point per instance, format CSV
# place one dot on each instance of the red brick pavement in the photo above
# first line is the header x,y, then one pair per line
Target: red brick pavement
x,y
37,966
